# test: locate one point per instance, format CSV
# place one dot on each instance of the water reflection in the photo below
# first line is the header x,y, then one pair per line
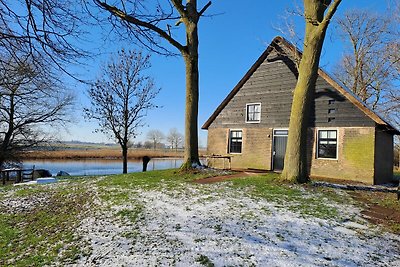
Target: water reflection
x,y
101,166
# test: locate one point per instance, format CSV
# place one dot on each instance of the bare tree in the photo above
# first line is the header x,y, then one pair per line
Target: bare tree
x,y
148,144
317,14
31,101
155,136
120,98
369,68
47,29
175,138
150,21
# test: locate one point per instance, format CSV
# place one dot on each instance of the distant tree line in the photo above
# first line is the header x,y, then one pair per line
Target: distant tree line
x,y
156,139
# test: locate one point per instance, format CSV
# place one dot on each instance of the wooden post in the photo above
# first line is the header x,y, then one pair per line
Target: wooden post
x,y
33,170
146,160
19,175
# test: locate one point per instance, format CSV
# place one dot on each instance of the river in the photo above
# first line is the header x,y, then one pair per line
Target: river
x,y
100,166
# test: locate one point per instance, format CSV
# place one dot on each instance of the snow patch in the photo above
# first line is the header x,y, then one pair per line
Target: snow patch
x,y
178,226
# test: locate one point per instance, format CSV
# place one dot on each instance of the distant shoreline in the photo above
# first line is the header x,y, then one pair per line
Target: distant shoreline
x,y
102,153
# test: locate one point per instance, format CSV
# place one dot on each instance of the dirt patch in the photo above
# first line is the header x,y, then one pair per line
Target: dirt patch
x,y
380,208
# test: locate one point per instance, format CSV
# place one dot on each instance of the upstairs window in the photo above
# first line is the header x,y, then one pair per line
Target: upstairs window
x,y
327,144
253,112
235,141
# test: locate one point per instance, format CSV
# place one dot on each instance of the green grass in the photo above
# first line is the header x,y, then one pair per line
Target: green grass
x,y
152,179
44,233
27,191
144,180
291,196
131,214
389,202
205,261
119,189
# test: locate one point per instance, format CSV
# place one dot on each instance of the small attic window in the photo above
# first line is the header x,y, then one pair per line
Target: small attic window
x,y
253,112
331,101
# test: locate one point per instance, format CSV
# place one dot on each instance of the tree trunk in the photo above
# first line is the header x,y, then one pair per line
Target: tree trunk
x,y
191,156
1,162
296,165
4,145
124,159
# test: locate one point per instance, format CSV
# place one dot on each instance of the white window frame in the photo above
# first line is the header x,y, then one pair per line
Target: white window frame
x,y
229,141
247,108
317,143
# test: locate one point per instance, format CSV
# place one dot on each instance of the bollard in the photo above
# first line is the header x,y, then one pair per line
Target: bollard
x,y
146,160
398,192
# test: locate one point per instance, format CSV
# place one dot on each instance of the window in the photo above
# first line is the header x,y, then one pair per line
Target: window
x,y
327,144
253,112
281,132
235,141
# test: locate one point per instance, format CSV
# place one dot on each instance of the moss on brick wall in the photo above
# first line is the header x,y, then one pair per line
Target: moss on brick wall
x,y
358,148
355,157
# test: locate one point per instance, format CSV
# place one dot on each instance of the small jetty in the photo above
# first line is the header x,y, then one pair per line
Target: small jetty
x,y
17,175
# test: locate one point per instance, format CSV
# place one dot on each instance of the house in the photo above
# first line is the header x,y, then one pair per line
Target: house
x,y
346,139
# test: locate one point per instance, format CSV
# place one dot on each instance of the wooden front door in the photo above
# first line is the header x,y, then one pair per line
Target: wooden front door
x,y
278,156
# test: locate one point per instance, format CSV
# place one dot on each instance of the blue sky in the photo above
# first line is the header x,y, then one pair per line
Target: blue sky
x,y
230,42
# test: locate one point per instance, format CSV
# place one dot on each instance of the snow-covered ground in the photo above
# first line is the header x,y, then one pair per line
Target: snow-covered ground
x,y
201,225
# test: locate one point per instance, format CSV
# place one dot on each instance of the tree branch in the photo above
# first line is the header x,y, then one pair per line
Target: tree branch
x,y
181,8
204,8
331,11
131,19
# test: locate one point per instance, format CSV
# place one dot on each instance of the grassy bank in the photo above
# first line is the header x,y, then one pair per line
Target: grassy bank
x,y
162,218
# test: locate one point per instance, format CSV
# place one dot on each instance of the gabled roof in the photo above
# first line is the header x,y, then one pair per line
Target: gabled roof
x,y
280,42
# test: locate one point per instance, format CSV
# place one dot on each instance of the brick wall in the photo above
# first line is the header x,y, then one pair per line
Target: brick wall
x,y
256,148
355,161
358,159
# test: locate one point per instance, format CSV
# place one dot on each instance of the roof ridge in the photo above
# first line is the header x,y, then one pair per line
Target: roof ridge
x,y
281,41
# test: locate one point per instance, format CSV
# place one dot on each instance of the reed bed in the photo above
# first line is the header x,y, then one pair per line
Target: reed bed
x,y
102,153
